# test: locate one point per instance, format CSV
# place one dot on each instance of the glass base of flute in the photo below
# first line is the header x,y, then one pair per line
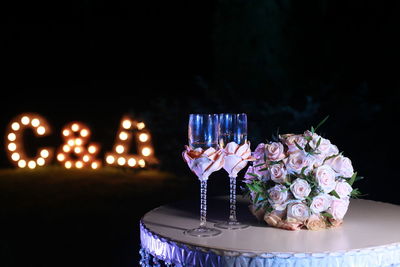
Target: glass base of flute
x,y
203,230
232,223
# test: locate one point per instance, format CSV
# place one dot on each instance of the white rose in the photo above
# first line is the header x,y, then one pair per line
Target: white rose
x,y
341,165
275,151
278,196
320,203
338,208
291,139
325,177
300,188
298,211
297,161
278,173
343,189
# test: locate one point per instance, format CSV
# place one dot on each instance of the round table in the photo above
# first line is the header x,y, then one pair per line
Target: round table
x,y
370,236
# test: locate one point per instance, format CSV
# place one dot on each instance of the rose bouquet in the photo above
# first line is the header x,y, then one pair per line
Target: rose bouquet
x,y
300,181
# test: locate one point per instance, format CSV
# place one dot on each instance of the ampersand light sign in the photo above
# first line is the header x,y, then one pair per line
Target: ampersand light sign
x,y
77,151
15,145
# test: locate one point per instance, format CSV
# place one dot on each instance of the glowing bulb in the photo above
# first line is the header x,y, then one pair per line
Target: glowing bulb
x,y
61,157
35,122
75,127
78,150
31,164
126,124
68,164
15,126
25,120
22,163
40,161
92,149
11,136
94,165
79,164
66,132
143,137
110,159
78,141
15,156
86,158
120,149
12,146
71,142
146,151
131,162
140,125
41,130
44,153
123,136
84,133
66,148
142,163
121,161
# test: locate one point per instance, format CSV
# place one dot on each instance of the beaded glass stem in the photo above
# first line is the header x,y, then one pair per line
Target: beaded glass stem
x,y
232,200
203,203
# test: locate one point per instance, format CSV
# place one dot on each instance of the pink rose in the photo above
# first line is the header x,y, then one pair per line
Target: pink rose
x,y
251,171
326,148
297,161
320,203
341,165
236,157
314,138
300,188
278,173
325,177
338,208
297,211
259,151
291,139
343,189
278,196
275,151
203,163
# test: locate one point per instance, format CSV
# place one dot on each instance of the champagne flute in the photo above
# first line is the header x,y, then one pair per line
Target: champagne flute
x,y
203,133
233,128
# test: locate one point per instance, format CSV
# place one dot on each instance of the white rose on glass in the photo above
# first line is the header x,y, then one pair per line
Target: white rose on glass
x,y
236,157
278,173
320,203
300,188
343,189
292,141
278,197
338,208
298,211
341,165
297,161
325,177
275,151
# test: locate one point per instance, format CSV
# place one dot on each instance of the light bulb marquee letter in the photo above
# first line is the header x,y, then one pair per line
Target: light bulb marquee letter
x,y
131,129
75,153
15,144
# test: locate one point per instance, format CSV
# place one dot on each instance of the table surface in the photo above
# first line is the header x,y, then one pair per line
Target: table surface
x,y
367,224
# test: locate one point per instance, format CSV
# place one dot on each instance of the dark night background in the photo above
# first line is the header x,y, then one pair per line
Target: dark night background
x,y
287,64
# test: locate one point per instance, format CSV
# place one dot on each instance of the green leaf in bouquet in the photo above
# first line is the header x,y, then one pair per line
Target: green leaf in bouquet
x,y
312,130
308,138
334,193
252,174
326,214
352,179
263,169
319,142
255,199
356,193
321,123
274,162
302,171
285,190
298,146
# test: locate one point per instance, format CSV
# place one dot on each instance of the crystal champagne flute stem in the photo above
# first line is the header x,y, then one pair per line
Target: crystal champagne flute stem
x,y
203,203
232,199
